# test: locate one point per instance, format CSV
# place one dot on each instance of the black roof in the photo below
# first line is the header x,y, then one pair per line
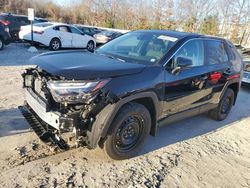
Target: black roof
x,y
171,33
179,34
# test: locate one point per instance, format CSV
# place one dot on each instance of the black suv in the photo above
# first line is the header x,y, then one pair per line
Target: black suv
x,y
121,93
14,22
5,37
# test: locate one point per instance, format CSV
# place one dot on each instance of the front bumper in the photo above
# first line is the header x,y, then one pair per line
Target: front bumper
x,y
41,130
39,109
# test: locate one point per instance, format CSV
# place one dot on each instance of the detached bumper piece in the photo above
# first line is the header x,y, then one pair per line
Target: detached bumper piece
x,y
41,129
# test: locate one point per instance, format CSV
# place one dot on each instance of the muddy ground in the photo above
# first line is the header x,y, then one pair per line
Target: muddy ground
x,y
197,152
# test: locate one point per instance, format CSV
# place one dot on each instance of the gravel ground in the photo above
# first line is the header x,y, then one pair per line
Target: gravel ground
x,y
196,152
17,54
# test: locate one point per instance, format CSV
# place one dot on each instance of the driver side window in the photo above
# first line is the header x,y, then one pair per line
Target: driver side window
x,y
192,50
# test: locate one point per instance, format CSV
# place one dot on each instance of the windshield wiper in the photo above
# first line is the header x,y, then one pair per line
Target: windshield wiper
x,y
112,57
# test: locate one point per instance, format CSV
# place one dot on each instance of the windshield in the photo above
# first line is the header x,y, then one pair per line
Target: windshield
x,y
139,47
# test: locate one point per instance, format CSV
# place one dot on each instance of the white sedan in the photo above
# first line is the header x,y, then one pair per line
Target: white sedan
x,y
57,36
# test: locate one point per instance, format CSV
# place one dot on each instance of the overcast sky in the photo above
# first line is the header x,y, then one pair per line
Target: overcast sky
x,y
65,2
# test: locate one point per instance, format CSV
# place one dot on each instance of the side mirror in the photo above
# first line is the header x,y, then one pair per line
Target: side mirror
x,y
181,63
184,62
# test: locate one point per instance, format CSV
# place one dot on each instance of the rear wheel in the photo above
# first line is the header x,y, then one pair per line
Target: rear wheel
x,y
221,112
1,43
55,44
15,36
128,131
91,46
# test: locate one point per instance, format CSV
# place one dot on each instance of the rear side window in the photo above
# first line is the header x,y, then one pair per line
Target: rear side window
x,y
63,29
216,52
23,20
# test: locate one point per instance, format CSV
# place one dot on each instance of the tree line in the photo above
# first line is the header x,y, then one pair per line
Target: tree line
x,y
226,18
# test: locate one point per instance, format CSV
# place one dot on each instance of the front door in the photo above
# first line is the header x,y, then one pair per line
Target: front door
x,y
79,41
185,87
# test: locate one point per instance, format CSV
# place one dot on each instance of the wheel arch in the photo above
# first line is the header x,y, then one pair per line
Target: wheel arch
x,y
101,126
53,39
235,87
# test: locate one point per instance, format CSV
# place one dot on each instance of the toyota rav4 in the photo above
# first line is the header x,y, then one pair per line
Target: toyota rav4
x,y
116,96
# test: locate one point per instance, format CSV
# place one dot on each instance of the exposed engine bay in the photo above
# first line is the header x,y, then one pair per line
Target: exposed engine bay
x,y
55,106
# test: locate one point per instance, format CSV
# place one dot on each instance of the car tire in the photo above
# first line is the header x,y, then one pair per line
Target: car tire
x,y
221,112
91,46
1,43
15,36
55,44
128,130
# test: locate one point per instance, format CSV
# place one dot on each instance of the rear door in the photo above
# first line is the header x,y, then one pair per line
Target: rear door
x,y
219,67
186,89
65,35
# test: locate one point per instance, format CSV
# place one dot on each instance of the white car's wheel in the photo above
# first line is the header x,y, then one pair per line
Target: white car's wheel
x,y
1,44
91,46
55,44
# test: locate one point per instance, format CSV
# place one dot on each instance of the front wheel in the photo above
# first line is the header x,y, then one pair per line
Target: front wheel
x,y
55,44
128,131
221,112
1,43
91,46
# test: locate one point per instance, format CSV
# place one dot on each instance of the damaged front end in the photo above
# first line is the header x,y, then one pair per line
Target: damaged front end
x,y
55,107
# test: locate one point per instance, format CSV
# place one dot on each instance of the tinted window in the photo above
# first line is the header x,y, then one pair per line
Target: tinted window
x,y
23,20
216,52
193,50
85,30
75,31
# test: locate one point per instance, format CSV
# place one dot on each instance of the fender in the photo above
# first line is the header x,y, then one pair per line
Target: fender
x,y
100,127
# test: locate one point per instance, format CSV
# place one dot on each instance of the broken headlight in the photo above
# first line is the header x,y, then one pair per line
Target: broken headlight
x,y
74,91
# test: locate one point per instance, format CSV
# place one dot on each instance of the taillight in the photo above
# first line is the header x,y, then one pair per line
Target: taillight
x,y
5,22
38,32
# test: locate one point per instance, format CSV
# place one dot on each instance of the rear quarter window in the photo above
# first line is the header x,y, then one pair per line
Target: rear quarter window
x,y
216,52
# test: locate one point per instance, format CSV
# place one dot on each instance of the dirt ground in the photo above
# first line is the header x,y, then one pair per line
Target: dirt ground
x,y
197,152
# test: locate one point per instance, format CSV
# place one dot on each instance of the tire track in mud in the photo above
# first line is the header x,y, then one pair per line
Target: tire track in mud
x,y
32,151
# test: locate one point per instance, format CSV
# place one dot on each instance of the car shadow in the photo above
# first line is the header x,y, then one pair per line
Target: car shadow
x,y
198,125
12,122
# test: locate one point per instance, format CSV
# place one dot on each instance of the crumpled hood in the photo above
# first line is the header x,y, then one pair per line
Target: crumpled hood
x,y
81,65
